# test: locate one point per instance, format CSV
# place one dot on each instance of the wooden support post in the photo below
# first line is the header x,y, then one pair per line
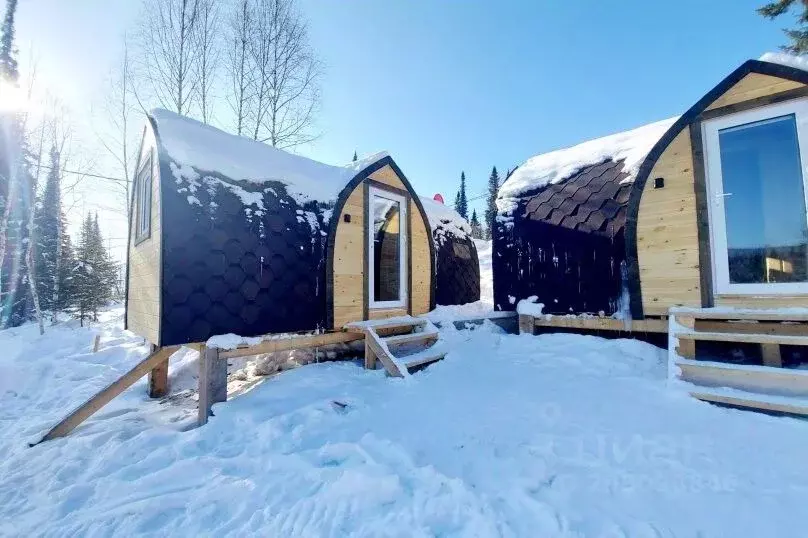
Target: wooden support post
x,y
212,382
158,380
526,324
686,348
158,377
771,355
370,356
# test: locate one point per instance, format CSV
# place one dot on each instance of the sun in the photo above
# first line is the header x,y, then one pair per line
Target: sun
x,y
12,98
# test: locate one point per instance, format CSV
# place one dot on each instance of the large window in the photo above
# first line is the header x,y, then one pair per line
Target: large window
x,y
143,199
756,186
387,249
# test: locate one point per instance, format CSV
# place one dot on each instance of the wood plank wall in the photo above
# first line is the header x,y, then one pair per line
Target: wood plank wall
x,y
667,236
143,302
350,251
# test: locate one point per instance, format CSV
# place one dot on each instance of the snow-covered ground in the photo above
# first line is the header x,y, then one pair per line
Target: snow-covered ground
x,y
555,435
483,307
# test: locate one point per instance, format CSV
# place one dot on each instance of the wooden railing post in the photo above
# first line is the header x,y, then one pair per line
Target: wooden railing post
x,y
526,324
212,382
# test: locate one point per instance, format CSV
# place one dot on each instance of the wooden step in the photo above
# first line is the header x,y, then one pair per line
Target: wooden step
x,y
749,378
423,357
409,338
744,338
751,401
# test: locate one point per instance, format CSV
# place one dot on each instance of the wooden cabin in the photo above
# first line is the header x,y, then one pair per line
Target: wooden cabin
x,y
457,266
701,218
228,235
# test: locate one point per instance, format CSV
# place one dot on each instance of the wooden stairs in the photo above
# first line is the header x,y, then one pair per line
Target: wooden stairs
x,y
400,344
767,386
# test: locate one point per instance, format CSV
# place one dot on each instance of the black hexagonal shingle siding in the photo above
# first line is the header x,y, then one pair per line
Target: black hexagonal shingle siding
x,y
566,245
228,268
457,271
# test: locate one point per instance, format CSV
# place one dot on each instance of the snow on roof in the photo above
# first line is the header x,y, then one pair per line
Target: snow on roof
x,y
190,143
556,166
784,58
444,219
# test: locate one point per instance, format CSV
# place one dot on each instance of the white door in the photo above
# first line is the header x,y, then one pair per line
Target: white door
x,y
387,239
755,164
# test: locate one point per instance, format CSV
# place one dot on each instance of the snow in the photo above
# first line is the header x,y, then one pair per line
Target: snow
x,y
484,308
556,166
444,220
529,307
510,435
783,58
199,150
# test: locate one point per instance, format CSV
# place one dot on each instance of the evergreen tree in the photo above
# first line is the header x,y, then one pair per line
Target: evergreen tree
x,y
461,201
354,156
93,279
8,62
491,203
66,270
797,36
49,231
476,229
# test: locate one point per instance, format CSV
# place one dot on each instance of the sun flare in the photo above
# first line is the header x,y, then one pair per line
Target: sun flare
x,y
12,98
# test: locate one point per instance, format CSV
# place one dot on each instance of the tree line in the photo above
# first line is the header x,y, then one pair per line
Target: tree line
x,y
41,271
485,229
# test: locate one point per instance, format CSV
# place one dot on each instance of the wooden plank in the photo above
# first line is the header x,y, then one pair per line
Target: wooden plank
x,y
370,356
751,403
686,348
381,354
384,324
91,406
744,315
212,382
158,380
755,102
752,327
745,338
285,343
761,301
425,358
526,324
771,355
751,379
609,324
410,338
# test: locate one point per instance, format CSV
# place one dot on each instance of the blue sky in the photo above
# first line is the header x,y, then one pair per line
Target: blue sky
x,y
446,85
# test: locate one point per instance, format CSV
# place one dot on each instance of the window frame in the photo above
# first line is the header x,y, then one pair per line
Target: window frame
x,y
716,196
374,193
143,190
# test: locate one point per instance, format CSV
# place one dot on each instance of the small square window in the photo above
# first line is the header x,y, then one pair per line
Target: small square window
x,y
143,199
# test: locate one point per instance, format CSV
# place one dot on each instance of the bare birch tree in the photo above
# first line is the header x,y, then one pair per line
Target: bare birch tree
x,y
286,92
207,43
238,63
119,139
169,54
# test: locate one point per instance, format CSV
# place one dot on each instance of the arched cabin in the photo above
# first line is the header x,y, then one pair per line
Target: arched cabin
x,y
686,226
707,209
457,267
229,235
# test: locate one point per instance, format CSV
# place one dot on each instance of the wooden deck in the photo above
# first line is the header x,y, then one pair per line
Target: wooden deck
x,y
767,386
